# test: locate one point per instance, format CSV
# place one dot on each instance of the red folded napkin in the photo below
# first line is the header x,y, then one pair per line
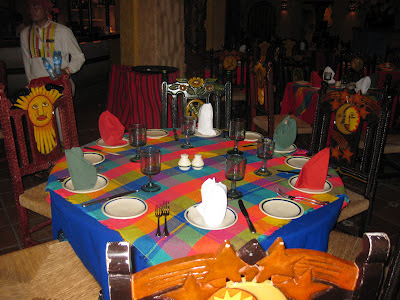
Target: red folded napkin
x,y
315,79
111,129
313,174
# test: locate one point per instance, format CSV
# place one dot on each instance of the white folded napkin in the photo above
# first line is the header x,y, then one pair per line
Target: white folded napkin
x,y
205,126
328,75
363,84
214,202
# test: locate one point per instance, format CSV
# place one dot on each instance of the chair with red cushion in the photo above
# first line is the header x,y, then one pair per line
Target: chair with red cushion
x,y
35,146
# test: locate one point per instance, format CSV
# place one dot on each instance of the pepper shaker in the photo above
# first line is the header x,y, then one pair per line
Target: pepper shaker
x,y
198,162
184,162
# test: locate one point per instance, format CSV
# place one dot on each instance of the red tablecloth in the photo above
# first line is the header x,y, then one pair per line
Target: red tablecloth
x,y
136,97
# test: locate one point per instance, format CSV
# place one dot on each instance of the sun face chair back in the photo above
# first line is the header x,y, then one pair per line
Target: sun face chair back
x,y
31,138
176,96
279,273
355,128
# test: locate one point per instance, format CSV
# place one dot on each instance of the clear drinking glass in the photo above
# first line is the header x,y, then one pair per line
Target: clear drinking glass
x,y
150,164
235,167
265,150
188,126
237,131
137,138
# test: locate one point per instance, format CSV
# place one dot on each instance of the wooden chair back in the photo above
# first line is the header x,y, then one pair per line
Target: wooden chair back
x,y
30,148
285,273
355,127
207,90
262,94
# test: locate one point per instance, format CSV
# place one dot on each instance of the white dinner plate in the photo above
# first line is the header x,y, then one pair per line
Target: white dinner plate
x,y
197,220
290,149
101,143
217,133
251,136
156,133
281,208
94,157
296,162
102,182
124,208
327,186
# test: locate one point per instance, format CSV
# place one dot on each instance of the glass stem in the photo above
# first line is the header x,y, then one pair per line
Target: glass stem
x,y
187,139
233,185
150,181
236,144
137,152
264,163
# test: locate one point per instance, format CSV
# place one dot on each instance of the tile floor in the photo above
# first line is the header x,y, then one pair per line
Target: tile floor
x,y
386,213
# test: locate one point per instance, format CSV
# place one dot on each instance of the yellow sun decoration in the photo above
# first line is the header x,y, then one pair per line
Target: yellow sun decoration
x,y
39,104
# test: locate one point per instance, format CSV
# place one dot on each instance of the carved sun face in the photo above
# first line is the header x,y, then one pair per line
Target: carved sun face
x,y
40,111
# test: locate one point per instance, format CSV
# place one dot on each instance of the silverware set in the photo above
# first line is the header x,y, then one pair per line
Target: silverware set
x,y
160,211
301,198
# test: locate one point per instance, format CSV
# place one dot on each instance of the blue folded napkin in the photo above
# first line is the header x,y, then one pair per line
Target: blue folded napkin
x,y
285,133
83,173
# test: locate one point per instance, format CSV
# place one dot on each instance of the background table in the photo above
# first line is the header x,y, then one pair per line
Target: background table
x,y
88,229
134,93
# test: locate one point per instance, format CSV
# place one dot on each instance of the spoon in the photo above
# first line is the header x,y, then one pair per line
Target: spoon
x,y
313,201
98,169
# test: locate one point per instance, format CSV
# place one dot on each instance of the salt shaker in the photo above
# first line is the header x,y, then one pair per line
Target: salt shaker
x,y
198,162
184,162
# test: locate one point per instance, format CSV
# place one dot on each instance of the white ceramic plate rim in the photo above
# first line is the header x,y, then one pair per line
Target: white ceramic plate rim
x,y
161,132
280,199
95,154
100,142
99,177
123,201
287,161
290,149
327,186
217,133
235,216
259,136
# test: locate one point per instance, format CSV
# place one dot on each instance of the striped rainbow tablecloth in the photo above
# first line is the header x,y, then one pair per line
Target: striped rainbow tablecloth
x,y
88,229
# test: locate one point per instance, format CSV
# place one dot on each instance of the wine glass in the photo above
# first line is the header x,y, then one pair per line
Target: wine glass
x,y
237,131
265,150
137,138
188,126
234,171
150,164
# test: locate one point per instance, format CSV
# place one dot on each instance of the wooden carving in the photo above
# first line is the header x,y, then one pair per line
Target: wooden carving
x,y
283,273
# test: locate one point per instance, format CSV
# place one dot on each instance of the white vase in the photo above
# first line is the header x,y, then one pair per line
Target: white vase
x,y
198,162
184,162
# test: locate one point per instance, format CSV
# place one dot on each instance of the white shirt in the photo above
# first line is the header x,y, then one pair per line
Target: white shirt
x,y
64,41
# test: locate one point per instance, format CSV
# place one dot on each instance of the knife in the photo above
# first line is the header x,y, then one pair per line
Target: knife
x,y
246,215
104,151
175,135
88,203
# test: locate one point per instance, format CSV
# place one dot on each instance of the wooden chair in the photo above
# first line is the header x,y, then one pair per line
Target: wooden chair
x,y
28,148
196,88
47,271
340,121
277,273
262,102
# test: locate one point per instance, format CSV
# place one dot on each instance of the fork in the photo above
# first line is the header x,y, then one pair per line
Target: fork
x,y
165,213
310,200
98,169
158,213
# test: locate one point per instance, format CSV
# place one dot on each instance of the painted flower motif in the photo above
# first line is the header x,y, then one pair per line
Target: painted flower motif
x,y
196,82
183,87
209,88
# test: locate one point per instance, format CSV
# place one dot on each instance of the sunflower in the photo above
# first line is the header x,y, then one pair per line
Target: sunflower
x,y
39,104
196,82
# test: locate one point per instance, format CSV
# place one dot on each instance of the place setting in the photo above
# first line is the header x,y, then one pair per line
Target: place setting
x,y
111,132
83,177
284,137
205,123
